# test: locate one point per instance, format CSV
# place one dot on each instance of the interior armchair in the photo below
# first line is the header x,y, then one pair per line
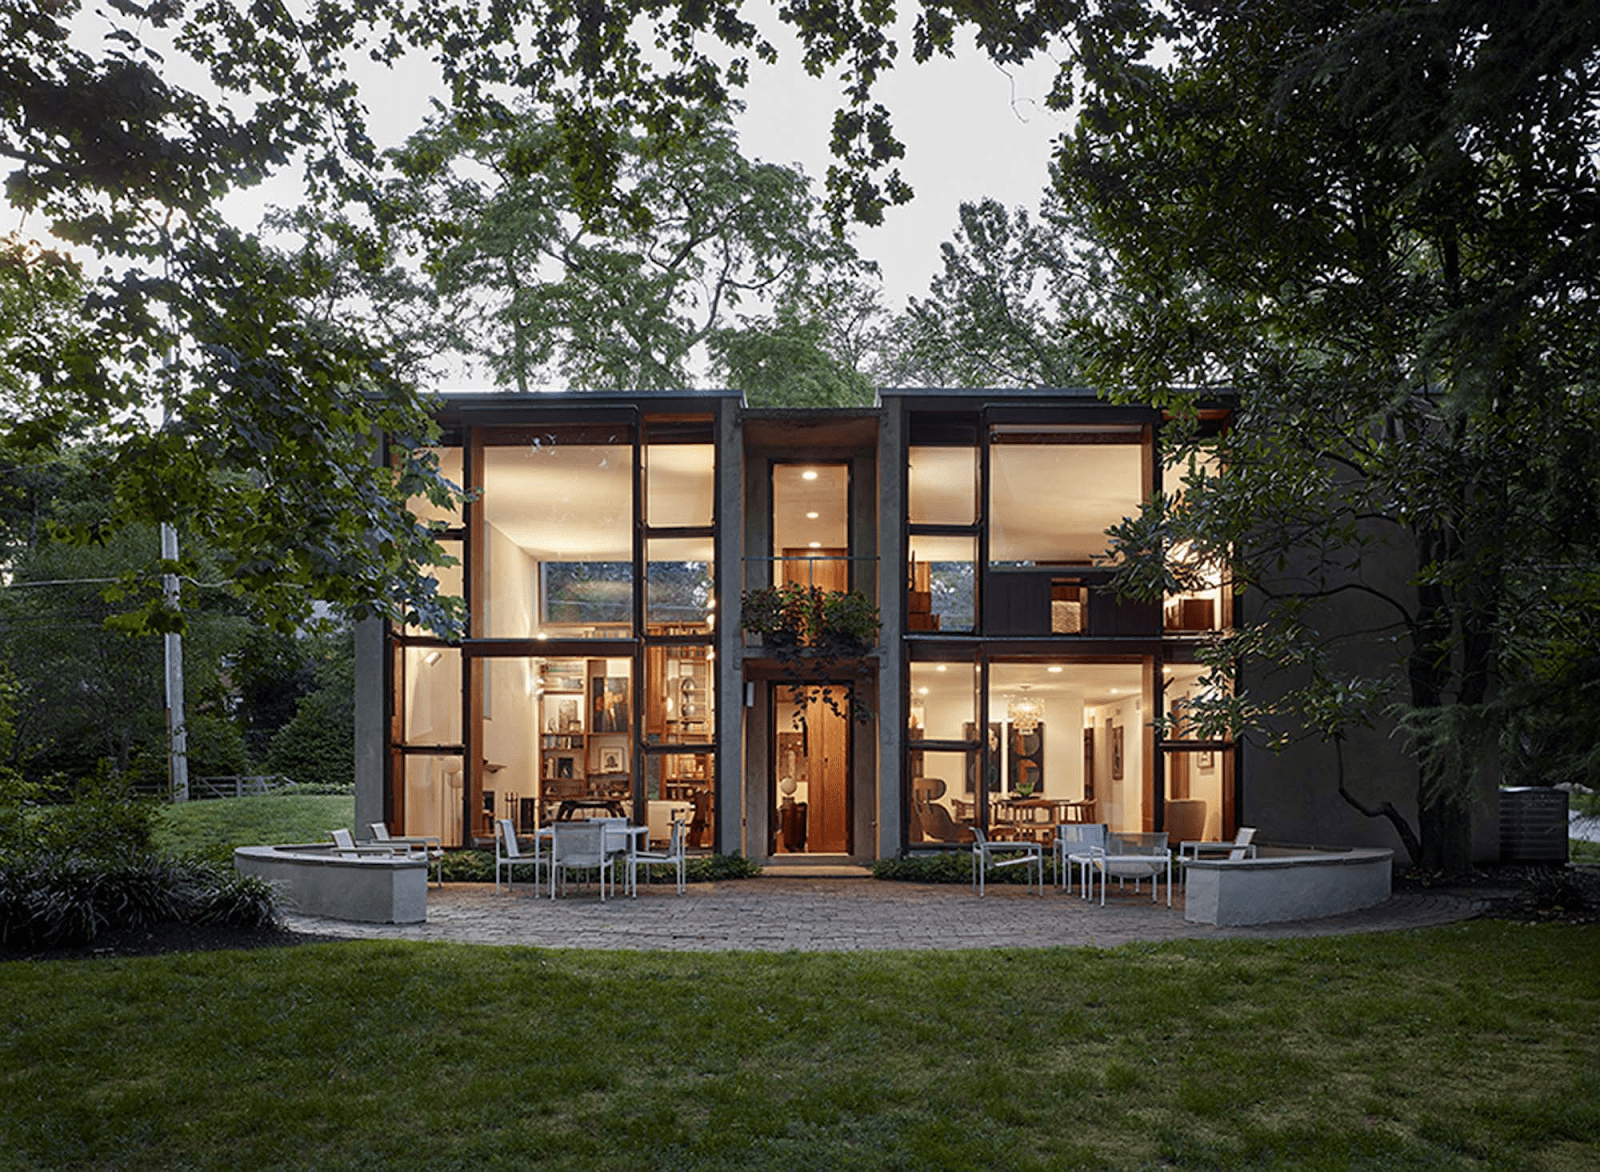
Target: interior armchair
x,y
932,816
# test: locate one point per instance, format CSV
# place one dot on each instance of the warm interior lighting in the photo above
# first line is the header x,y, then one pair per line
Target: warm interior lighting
x,y
431,658
941,667
809,474
1055,671
1024,712
815,544
812,516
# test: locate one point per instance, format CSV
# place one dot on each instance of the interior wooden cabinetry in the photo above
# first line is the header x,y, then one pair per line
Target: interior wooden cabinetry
x,y
679,711
585,734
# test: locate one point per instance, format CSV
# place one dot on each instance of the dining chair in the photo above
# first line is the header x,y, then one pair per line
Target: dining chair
x,y
578,846
1074,846
674,855
616,827
508,854
1006,853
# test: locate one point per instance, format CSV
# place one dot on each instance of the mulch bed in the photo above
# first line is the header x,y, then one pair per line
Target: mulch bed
x,y
1522,892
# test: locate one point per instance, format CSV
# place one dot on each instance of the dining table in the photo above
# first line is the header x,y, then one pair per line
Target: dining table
x,y
621,841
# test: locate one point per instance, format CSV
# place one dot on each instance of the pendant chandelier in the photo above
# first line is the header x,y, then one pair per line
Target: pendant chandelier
x,y
1024,712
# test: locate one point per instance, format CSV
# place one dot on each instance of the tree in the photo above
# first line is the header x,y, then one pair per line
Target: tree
x,y
317,746
1000,313
820,346
538,292
88,691
1375,224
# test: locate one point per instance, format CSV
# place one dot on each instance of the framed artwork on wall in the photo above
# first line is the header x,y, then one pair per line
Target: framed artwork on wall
x,y
608,704
1025,760
1116,752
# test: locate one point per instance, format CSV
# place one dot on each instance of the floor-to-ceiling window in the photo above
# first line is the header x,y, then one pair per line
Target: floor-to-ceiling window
x,y
680,614
586,685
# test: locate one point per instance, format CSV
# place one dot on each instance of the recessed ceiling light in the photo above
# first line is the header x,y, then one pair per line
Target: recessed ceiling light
x,y
815,544
809,474
941,667
812,516
922,691
1055,671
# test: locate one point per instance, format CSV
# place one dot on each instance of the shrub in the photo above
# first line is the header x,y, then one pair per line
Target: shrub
x,y
941,867
318,746
55,899
478,867
710,868
104,819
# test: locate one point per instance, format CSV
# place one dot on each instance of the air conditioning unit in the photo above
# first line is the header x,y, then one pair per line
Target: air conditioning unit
x,y
1533,825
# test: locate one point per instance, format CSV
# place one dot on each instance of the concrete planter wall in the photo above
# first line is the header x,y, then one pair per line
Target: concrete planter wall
x,y
1273,888
314,881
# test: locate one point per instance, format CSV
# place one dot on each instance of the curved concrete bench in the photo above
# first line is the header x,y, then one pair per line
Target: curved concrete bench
x,y
315,880
1285,885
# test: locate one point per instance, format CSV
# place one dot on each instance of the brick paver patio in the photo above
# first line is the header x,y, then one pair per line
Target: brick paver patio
x,y
770,914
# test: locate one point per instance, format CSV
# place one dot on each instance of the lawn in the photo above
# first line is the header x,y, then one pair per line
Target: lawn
x,y
1471,1046
214,828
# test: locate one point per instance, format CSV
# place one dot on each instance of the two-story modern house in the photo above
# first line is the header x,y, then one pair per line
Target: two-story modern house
x,y
603,556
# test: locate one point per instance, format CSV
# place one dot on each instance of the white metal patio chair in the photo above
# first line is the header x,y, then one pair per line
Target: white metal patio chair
x,y
1133,855
508,853
673,855
578,846
430,843
345,844
987,853
1073,847
1243,846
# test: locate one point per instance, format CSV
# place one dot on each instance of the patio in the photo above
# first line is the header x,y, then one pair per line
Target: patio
x,y
775,914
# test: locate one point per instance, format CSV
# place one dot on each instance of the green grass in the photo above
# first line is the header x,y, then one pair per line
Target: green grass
x,y
214,828
1471,1046
1582,851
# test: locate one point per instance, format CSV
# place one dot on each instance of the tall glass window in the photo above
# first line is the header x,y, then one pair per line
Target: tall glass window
x,y
942,484
1203,603
680,485
1053,494
1066,744
943,583
811,524
557,540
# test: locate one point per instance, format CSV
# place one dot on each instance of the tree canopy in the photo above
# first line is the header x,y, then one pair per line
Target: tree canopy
x,y
542,297
1377,227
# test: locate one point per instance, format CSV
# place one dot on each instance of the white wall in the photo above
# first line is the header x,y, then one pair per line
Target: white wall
x,y
1119,802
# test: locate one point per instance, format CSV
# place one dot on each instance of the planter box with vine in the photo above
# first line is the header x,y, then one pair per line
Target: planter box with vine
x,y
811,631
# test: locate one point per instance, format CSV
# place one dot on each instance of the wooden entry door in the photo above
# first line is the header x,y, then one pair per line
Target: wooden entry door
x,y
813,744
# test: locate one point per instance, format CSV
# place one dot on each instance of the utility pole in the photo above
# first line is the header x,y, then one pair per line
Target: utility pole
x,y
177,731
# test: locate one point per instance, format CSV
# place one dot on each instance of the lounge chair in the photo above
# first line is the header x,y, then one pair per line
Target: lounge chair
x,y
430,843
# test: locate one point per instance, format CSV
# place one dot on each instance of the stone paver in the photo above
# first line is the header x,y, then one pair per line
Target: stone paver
x,y
827,915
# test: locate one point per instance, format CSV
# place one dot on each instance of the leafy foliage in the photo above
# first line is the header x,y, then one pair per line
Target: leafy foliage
x,y
317,746
540,293
63,899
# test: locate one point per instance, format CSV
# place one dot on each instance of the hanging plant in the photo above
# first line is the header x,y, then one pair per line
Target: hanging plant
x,y
811,631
